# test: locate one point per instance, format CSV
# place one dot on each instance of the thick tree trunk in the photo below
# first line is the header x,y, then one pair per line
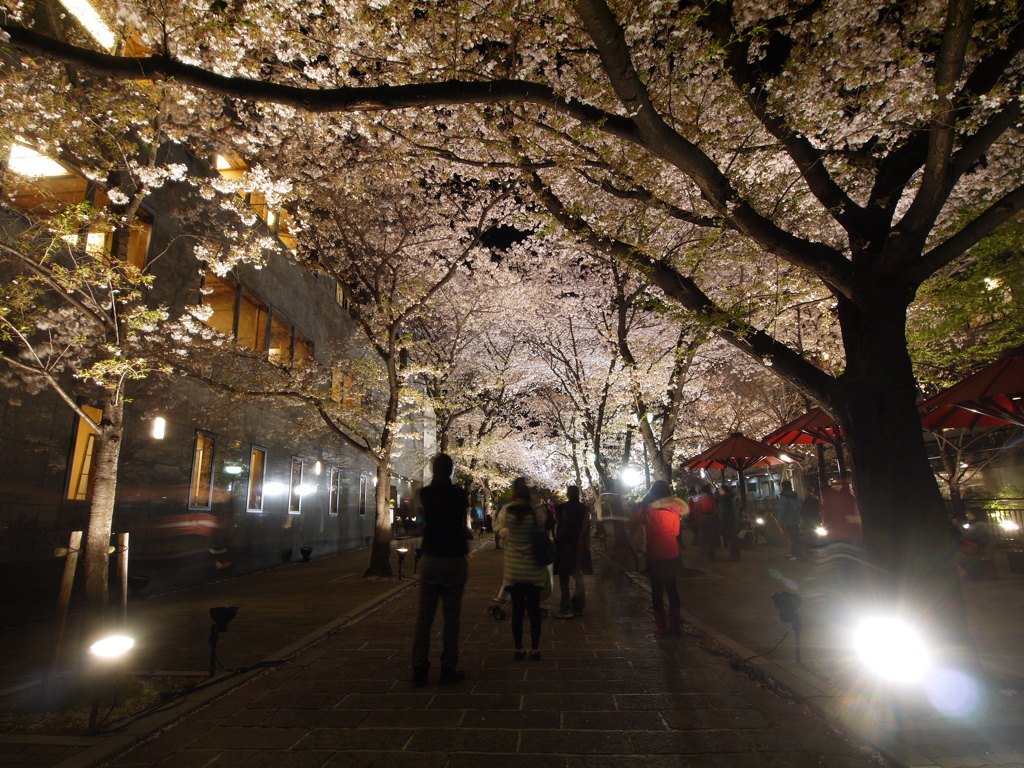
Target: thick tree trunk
x,y
101,515
380,553
903,514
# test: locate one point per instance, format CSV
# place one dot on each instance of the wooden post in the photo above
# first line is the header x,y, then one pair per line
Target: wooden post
x,y
63,601
121,548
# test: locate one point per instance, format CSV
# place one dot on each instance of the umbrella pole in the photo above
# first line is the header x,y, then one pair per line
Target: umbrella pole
x,y
743,490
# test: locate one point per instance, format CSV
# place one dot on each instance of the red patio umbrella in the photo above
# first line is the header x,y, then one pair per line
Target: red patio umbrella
x,y
741,453
814,427
993,396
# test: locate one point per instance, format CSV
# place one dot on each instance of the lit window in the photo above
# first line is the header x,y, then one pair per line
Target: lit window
x,y
295,491
230,166
340,296
138,241
362,494
83,458
335,505
201,489
257,473
303,347
252,322
220,294
280,350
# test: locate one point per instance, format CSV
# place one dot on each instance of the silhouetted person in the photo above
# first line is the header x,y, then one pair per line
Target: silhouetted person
x,y
442,570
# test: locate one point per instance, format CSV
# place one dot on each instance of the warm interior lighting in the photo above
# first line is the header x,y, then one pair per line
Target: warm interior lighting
x,y
318,467
88,18
159,428
27,162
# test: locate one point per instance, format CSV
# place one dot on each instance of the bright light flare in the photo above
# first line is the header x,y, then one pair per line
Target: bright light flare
x,y
112,647
1008,525
821,531
631,476
305,490
892,649
159,428
274,488
759,520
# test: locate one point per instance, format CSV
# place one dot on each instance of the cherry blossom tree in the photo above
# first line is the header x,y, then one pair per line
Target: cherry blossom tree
x,y
854,149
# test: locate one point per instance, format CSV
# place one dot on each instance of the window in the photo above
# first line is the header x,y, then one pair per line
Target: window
x,y
201,489
280,352
257,474
336,489
220,294
296,489
303,347
252,321
83,458
278,220
362,494
340,296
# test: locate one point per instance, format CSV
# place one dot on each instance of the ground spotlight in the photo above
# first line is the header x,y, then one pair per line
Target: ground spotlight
x,y
788,605
822,531
891,649
106,651
306,552
221,616
402,552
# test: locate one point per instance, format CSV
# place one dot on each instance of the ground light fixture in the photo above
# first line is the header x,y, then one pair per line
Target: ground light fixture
x,y
222,616
822,531
788,604
106,651
891,649
402,552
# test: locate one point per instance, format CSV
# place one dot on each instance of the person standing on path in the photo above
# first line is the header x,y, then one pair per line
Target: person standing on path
x,y
572,553
661,514
788,515
518,520
706,511
729,521
442,570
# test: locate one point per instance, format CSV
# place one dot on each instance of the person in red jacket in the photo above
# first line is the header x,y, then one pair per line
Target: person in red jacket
x,y
661,514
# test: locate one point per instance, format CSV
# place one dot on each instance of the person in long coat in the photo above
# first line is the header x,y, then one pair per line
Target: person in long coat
x,y
572,553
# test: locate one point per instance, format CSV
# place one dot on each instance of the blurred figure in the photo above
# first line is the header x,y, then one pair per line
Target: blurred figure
x,y
517,522
572,553
705,509
661,514
788,515
839,514
728,521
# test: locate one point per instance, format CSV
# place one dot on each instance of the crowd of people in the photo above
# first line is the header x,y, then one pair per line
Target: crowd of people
x,y
523,528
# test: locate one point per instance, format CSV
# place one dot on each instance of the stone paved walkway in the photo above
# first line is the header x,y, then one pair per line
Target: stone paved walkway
x,y
606,693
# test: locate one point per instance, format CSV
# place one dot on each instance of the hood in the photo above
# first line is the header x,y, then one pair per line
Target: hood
x,y
667,503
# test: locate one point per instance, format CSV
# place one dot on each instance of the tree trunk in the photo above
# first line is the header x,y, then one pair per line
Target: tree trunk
x,y
101,515
904,520
380,553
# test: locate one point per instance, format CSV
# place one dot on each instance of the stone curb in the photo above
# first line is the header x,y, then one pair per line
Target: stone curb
x,y
820,696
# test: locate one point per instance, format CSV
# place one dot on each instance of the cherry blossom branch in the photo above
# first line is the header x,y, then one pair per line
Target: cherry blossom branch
x,y
314,100
1002,210
687,293
660,139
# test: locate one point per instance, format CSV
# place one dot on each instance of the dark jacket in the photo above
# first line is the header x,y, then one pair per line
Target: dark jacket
x,y
572,538
444,520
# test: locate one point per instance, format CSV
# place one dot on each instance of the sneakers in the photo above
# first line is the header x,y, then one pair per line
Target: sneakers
x,y
567,614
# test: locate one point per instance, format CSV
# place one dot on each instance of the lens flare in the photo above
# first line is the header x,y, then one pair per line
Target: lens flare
x,y
953,693
112,647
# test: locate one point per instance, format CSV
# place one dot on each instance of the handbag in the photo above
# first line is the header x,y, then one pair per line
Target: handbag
x,y
542,547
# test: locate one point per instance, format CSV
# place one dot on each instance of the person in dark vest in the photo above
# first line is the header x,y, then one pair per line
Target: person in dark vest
x,y
728,521
442,570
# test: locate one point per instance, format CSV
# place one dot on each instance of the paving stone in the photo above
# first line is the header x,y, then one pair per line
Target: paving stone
x,y
704,719
574,742
361,739
463,740
312,718
272,758
248,738
414,718
613,721
510,720
687,742
571,701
